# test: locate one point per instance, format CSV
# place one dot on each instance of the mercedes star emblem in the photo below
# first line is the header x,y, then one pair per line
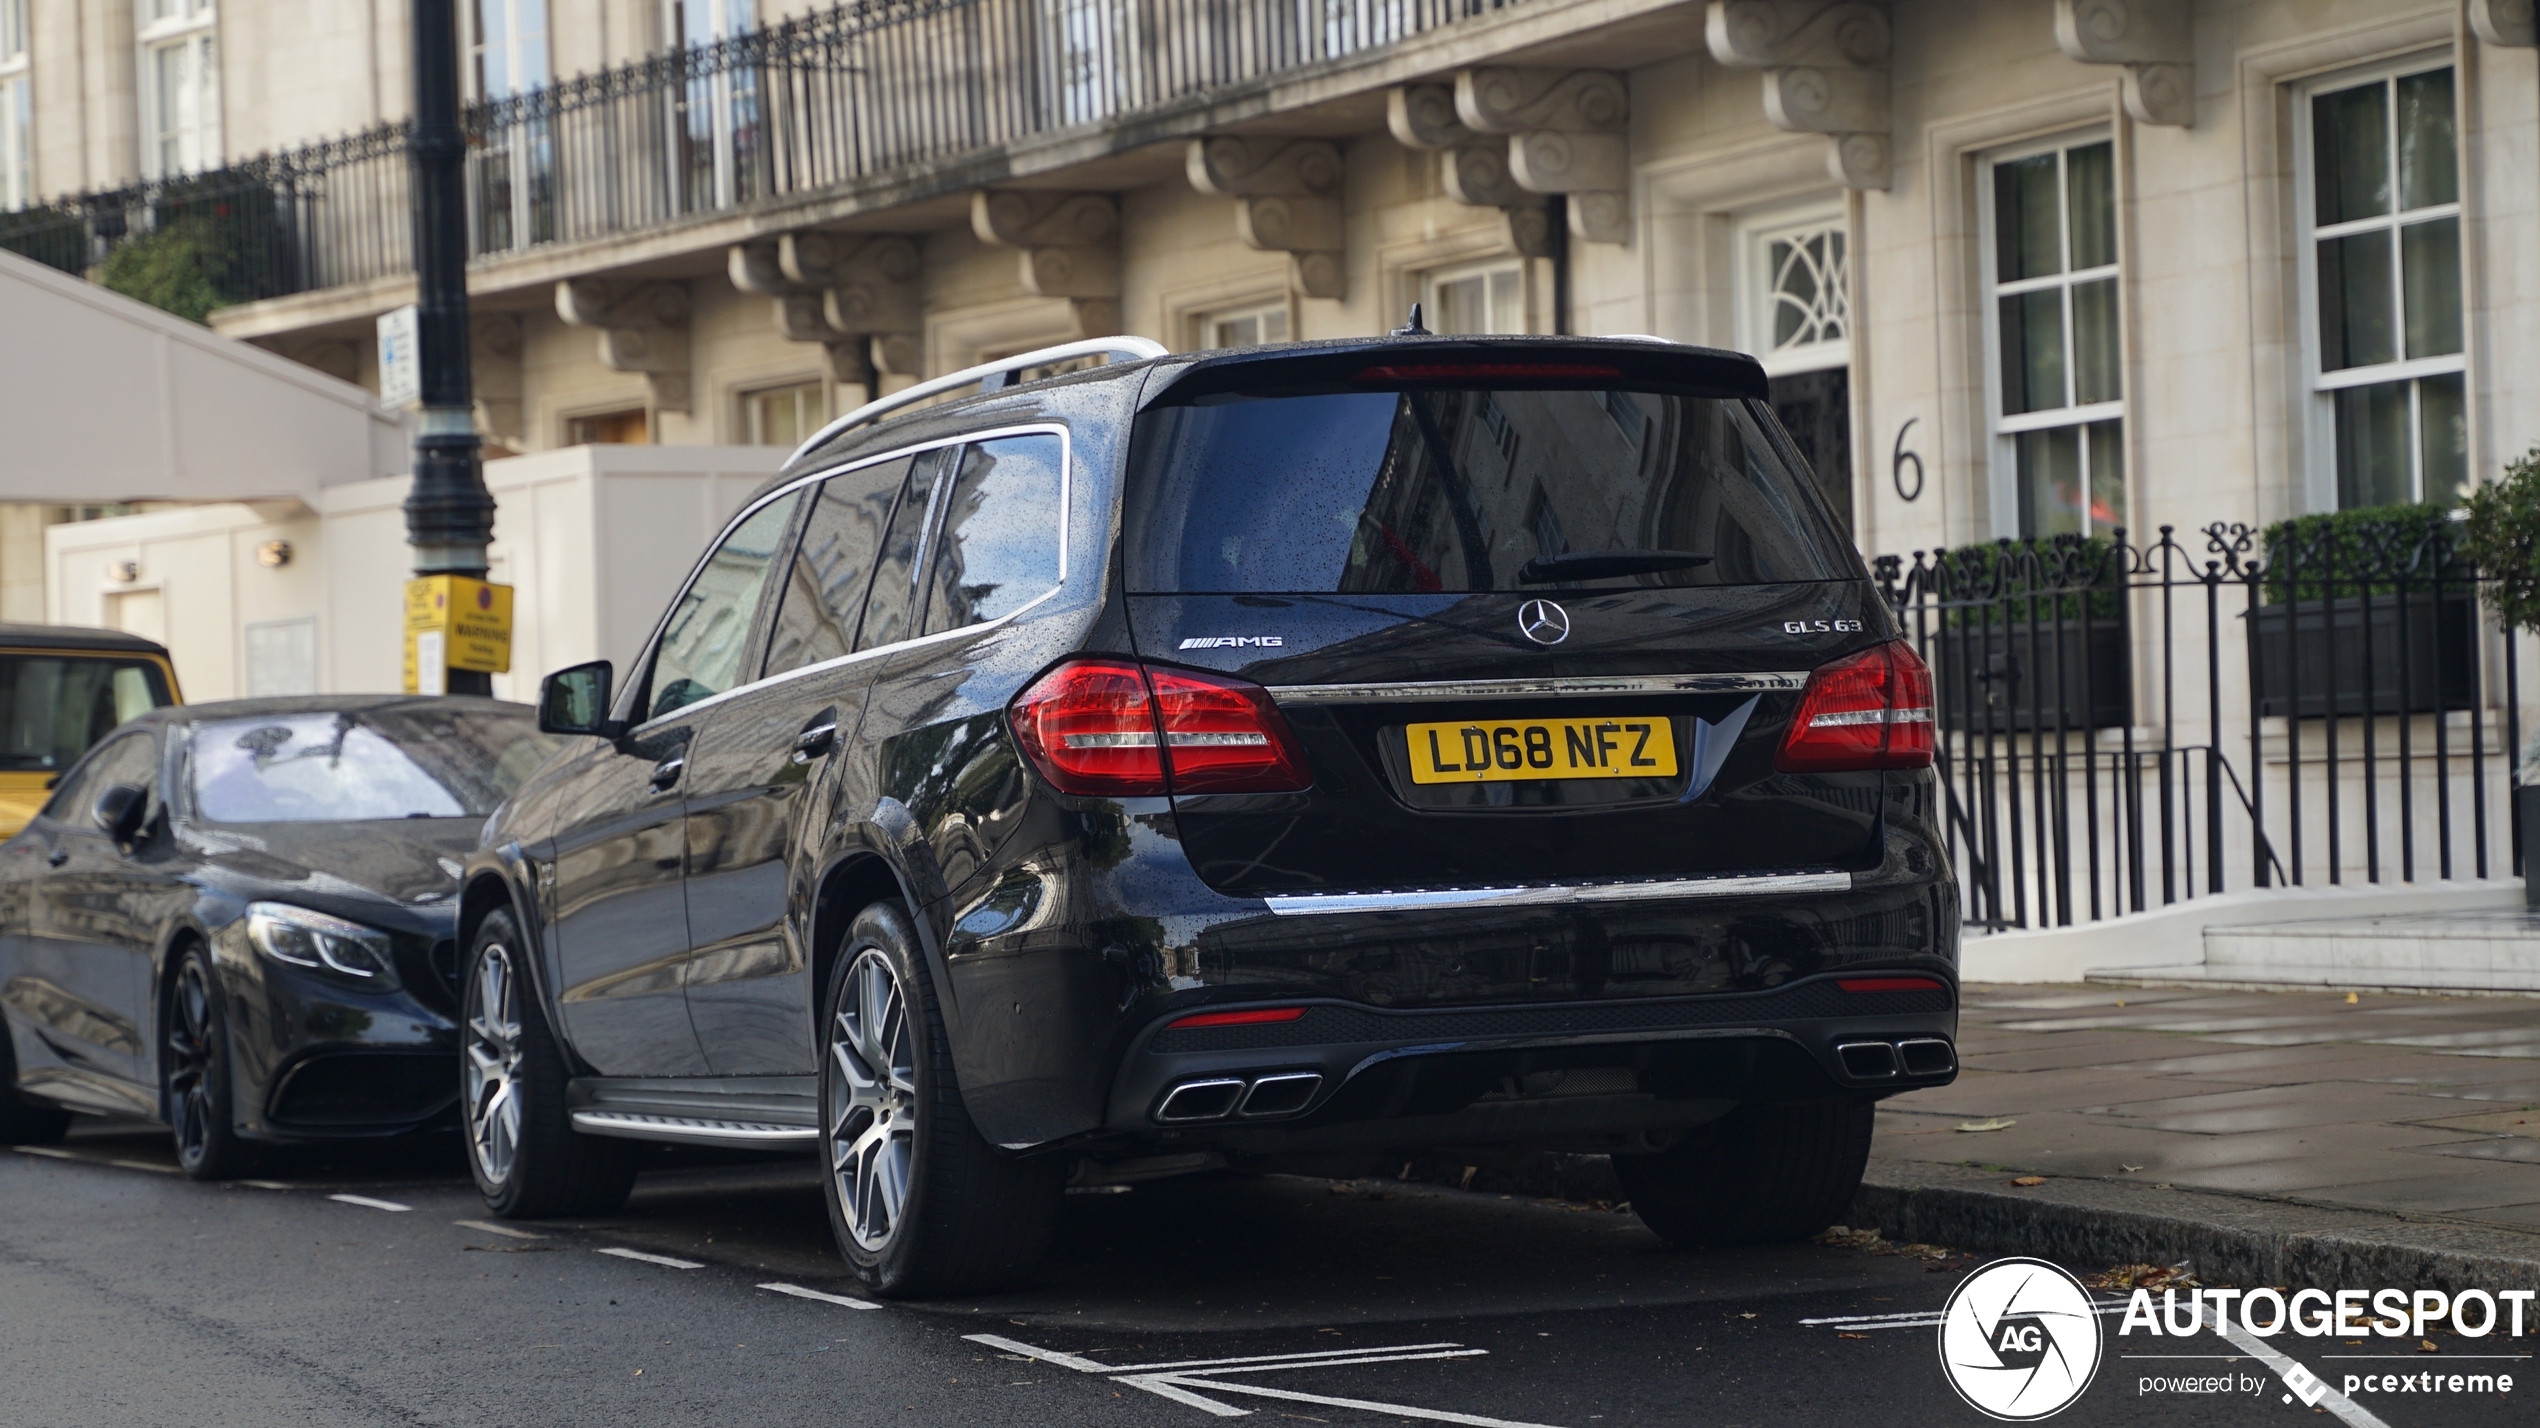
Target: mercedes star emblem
x,y
1543,622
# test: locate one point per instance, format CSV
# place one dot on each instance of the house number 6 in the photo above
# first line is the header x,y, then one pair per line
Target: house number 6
x,y
1897,460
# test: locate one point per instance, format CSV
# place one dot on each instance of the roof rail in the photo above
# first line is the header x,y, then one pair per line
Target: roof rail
x,y
989,376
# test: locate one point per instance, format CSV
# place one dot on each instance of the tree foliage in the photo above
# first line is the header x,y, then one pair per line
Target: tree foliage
x,y
2504,538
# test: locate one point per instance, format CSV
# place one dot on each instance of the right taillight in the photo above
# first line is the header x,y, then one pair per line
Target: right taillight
x,y
1872,710
1093,727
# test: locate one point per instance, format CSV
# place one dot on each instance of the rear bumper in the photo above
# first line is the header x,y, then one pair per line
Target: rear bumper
x,y
1343,1075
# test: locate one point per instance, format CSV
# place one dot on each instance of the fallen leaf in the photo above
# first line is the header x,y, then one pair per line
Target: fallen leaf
x,y
1848,1238
1995,1124
2030,1180
1746,1316
2129,1167
2352,999
2427,1346
1852,1336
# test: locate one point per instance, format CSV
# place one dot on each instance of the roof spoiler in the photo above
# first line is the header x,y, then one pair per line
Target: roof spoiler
x,y
989,376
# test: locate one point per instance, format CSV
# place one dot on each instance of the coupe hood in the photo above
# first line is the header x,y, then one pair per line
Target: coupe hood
x,y
406,861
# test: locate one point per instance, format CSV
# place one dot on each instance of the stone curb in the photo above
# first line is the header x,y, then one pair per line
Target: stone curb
x,y
2089,1225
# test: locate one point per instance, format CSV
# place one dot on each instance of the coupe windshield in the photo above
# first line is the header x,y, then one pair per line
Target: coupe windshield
x,y
411,761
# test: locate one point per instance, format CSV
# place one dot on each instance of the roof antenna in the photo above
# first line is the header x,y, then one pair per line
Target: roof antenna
x,y
1412,328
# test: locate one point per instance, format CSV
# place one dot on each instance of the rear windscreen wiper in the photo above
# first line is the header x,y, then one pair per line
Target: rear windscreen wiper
x,y
1598,565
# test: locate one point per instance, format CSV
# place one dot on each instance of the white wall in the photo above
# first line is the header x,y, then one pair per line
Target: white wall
x,y
106,399
595,540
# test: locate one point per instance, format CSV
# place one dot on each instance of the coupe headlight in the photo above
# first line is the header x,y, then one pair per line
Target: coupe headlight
x,y
302,938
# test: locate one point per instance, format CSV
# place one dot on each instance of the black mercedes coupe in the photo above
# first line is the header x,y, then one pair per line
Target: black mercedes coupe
x,y
236,919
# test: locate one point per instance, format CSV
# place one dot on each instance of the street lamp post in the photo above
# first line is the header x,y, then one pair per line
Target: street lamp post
x,y
449,513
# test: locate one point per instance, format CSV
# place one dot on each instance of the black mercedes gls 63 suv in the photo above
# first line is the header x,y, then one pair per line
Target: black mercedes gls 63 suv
x,y
1288,757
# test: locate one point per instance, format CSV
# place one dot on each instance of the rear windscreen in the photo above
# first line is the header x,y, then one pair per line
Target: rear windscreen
x,y
1470,490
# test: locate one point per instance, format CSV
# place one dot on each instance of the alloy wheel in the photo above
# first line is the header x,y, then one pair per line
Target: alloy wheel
x,y
491,1067
189,1060
871,1120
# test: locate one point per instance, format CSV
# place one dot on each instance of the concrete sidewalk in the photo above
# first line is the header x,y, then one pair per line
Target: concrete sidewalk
x,y
2163,1118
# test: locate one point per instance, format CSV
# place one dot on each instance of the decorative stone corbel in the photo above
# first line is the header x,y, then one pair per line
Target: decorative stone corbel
x,y
1472,168
849,293
2504,22
643,328
2154,39
1288,200
1566,135
1068,247
1825,65
494,344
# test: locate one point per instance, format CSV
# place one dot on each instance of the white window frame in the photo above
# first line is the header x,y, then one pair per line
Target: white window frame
x,y
17,108
1431,280
814,416
1758,297
194,28
2319,419
1205,322
526,155
2004,430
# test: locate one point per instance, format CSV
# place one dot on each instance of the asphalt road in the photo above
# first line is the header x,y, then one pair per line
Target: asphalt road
x,y
370,1289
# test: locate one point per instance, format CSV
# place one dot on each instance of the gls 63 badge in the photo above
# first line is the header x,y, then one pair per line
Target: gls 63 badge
x,y
2019,1340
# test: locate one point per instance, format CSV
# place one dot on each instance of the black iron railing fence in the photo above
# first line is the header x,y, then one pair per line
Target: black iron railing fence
x,y
2123,727
816,103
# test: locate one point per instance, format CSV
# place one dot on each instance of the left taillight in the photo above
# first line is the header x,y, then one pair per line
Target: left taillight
x,y
1868,711
1112,727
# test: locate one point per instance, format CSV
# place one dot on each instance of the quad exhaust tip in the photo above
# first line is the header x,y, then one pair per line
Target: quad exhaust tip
x,y
1253,1098
1884,1061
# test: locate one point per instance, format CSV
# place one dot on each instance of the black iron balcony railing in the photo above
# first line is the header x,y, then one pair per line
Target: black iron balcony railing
x,y
815,104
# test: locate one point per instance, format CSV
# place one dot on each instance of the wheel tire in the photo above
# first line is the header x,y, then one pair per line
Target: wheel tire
x,y
1759,1175
528,1160
921,1204
194,1071
24,1121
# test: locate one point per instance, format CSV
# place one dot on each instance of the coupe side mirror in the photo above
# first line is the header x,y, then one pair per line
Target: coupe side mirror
x,y
118,811
576,701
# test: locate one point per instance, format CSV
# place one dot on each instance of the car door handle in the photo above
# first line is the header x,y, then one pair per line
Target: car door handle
x,y
666,773
817,738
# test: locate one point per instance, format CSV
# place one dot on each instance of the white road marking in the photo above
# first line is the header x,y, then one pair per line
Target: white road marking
x,y
143,1165
48,1152
267,1185
489,1227
1177,1380
369,1203
2354,1414
1923,1320
661,1259
799,1292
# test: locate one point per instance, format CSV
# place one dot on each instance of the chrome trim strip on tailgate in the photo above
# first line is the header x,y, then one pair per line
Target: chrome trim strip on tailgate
x,y
1771,681
691,1130
1756,885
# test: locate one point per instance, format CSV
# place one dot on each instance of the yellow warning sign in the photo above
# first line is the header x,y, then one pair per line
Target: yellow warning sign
x,y
453,622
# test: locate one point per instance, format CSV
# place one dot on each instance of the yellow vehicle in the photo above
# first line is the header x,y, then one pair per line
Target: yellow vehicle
x,y
61,689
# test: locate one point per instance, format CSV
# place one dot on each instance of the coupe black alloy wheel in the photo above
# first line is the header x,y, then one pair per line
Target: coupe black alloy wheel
x,y
194,1057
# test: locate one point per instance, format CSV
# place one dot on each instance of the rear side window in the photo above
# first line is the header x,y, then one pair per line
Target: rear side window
x,y
890,613
823,593
1457,490
999,549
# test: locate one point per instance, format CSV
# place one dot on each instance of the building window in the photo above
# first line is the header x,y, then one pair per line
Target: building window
x,y
2057,378
513,169
17,148
1244,326
180,87
1794,311
1477,298
783,416
626,428
720,157
2382,212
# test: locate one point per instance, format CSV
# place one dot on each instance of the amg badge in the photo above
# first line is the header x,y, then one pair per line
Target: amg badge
x,y
1232,642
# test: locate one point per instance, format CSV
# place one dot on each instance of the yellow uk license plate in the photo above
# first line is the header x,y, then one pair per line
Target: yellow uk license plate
x,y
1508,750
